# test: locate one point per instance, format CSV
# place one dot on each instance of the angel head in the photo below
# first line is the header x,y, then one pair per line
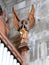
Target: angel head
x,y
24,22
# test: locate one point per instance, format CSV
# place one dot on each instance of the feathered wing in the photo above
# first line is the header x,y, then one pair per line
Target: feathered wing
x,y
16,19
31,17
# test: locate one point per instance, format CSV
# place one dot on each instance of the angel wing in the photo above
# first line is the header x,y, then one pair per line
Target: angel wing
x,y
16,19
31,17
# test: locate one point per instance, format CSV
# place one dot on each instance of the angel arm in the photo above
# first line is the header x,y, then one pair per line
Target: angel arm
x,y
16,19
31,17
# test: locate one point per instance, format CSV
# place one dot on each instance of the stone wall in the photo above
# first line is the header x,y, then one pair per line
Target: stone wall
x,y
39,35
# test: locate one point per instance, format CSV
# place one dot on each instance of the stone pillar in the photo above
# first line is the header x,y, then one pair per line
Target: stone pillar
x,y
43,50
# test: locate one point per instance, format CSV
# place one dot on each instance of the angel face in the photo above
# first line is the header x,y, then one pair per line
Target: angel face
x,y
24,22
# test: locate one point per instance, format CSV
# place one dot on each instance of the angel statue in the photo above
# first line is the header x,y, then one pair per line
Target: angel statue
x,y
25,25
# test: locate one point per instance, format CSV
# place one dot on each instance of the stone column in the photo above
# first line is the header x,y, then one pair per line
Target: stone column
x,y
43,50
